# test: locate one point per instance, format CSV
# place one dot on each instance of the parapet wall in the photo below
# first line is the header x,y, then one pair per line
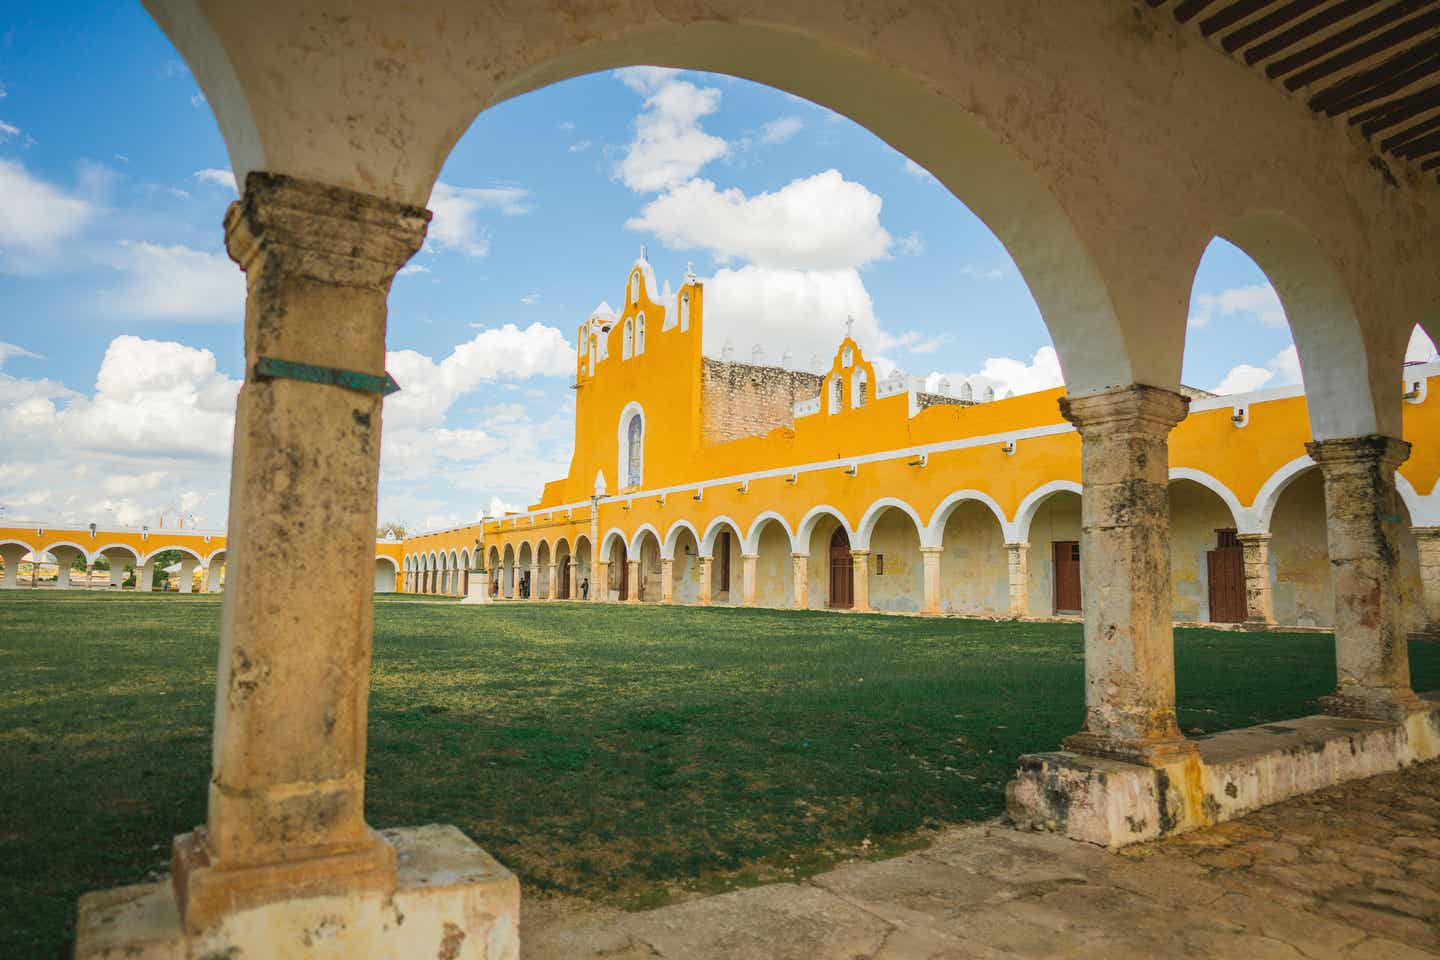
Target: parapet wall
x,y
747,400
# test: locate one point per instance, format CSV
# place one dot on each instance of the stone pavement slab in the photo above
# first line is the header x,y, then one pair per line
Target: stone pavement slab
x,y
1351,872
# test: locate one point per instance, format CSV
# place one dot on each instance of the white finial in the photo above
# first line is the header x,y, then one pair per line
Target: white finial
x,y
967,392
599,483
849,327
642,251
943,387
989,394
690,271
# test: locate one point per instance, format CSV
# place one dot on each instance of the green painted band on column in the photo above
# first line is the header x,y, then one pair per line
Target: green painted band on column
x,y
272,368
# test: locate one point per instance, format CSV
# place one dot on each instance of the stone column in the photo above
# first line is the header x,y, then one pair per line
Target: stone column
x,y
860,565
62,573
1427,539
552,591
1365,528
286,802
187,574
1125,574
145,577
667,580
600,584
632,594
89,576
574,590
800,578
117,574
704,574
930,556
535,580
1259,608
1018,561
212,576
748,585
11,555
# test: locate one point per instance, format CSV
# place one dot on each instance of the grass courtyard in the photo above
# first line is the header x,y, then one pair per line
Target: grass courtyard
x,y
625,755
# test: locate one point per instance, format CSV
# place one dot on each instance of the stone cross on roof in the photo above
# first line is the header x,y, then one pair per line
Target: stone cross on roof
x,y
849,326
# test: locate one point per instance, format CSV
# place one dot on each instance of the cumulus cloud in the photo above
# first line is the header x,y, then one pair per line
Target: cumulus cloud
x,y
1281,370
36,217
176,283
822,222
669,146
801,312
1006,375
1257,300
217,177
458,210
580,146
915,170
8,130
975,271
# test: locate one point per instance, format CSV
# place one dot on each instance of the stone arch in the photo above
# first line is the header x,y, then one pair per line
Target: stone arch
x,y
1198,509
525,570
1300,576
672,536
188,551
644,549
542,569
67,545
640,531
934,531
861,539
752,539
813,516
715,528
1241,516
1262,510
13,553
1351,390
726,562
607,542
507,572
386,572
986,155
1424,511
562,555
1025,513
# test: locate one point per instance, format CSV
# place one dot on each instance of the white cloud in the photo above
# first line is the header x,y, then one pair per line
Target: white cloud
x,y
778,131
411,269
912,244
35,217
977,272
822,222
1257,300
1420,349
669,147
8,350
456,225
177,283
915,170
198,99
530,299
801,312
1281,370
8,130
217,177
1007,375
580,146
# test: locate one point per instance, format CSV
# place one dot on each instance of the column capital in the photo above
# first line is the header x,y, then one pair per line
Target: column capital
x,y
859,553
1254,537
326,233
749,556
1374,448
1426,533
932,551
1137,408
799,556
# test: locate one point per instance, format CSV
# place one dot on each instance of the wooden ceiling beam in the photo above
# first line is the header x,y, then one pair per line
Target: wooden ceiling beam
x,y
1307,28
1355,43
1268,24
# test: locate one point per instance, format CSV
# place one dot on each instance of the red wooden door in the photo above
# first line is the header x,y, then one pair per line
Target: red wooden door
x,y
1226,565
842,571
1067,576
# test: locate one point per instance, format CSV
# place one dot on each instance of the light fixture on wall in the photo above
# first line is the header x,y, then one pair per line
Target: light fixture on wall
x,y
1008,448
852,470
699,494
1240,416
744,486
921,461
1415,391
660,499
793,479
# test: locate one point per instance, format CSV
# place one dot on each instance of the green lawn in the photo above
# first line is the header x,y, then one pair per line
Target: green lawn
x,y
616,753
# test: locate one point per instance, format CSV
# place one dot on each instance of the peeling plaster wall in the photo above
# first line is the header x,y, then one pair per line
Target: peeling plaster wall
x,y
974,568
1299,555
1195,514
1058,518
747,400
902,586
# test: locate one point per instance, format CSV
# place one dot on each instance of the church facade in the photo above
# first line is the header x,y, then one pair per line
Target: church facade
x,y
704,481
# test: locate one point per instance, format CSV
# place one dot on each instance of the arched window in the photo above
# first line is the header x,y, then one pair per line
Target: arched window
x,y
860,388
634,450
635,287
627,348
639,334
837,394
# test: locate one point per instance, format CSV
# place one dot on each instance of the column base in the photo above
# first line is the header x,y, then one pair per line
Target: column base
x,y
449,899
1114,803
1382,704
204,891
1152,753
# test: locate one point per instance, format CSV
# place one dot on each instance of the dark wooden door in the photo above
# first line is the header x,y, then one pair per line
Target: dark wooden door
x,y
1067,576
842,571
724,551
565,579
1226,565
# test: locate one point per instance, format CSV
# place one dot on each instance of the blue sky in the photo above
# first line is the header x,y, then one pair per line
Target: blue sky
x,y
120,337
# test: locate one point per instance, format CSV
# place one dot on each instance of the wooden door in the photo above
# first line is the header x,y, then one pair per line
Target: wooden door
x,y
565,579
624,577
842,572
1067,576
1226,565
724,545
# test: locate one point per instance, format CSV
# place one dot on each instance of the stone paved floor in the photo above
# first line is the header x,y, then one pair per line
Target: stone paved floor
x,y
1351,872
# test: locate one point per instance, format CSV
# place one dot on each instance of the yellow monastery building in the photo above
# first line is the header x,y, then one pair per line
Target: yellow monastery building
x,y
705,481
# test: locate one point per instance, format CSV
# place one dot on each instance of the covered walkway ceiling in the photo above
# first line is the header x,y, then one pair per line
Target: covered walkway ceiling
x,y
1375,63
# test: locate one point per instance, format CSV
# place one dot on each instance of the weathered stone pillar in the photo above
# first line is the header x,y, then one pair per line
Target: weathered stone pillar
x,y
704,574
632,592
117,574
748,563
145,577
800,578
212,577
89,576
1018,561
600,586
286,805
1259,606
667,580
574,585
1427,540
1365,527
930,557
553,587
860,563
187,574
1125,574
62,573
535,592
